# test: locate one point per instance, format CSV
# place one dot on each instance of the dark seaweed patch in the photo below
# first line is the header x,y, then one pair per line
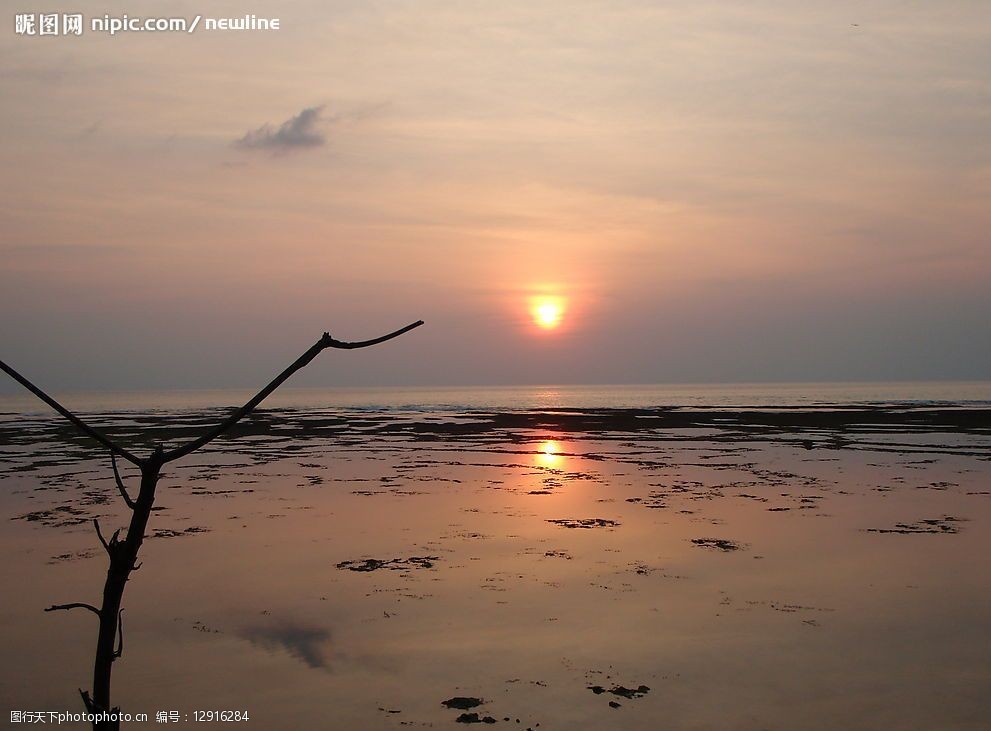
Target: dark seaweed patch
x,y
392,564
946,524
585,522
721,544
474,718
462,703
169,533
621,691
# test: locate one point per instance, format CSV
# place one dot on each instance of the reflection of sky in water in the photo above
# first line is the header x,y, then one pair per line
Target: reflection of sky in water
x,y
513,596
303,643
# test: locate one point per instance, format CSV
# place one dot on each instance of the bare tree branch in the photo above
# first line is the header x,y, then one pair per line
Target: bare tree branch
x,y
330,342
79,423
90,704
120,483
99,533
74,605
123,554
323,343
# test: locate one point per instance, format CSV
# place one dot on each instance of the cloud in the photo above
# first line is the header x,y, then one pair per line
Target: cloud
x,y
296,132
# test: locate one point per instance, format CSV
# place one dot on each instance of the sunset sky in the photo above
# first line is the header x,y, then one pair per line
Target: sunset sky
x,y
708,190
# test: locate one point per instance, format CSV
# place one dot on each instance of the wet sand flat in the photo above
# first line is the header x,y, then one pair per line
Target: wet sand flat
x,y
813,568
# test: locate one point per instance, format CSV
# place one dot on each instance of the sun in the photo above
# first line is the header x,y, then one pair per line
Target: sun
x,y
547,312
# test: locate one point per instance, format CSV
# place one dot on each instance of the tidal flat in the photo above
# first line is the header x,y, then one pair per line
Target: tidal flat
x,y
681,568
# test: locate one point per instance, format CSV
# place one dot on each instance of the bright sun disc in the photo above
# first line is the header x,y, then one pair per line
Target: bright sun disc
x,y
547,312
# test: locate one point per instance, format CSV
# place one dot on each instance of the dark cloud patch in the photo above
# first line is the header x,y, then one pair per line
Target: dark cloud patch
x,y
299,132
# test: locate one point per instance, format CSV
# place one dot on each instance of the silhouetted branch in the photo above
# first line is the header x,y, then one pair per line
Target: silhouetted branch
x,y
99,534
120,483
87,701
93,707
74,605
112,543
79,423
330,342
123,554
325,342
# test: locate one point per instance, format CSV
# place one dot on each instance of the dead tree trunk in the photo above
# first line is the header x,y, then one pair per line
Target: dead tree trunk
x,y
123,560
123,554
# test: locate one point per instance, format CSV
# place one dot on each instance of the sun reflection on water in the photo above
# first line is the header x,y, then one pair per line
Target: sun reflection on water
x,y
549,454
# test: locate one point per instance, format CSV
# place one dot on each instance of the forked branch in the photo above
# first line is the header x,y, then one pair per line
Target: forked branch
x,y
114,539
123,554
322,344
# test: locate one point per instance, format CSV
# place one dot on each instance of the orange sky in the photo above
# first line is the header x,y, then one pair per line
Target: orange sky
x,y
718,191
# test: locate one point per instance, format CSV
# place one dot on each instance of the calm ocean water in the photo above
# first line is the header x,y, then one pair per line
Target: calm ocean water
x,y
531,397
356,574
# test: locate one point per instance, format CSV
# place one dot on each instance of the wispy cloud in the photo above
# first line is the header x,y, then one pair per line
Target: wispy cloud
x,y
297,132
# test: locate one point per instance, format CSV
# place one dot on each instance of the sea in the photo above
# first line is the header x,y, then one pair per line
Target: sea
x,y
392,558
461,398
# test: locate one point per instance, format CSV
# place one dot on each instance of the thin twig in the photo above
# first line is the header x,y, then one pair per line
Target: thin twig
x,y
99,533
120,482
80,424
